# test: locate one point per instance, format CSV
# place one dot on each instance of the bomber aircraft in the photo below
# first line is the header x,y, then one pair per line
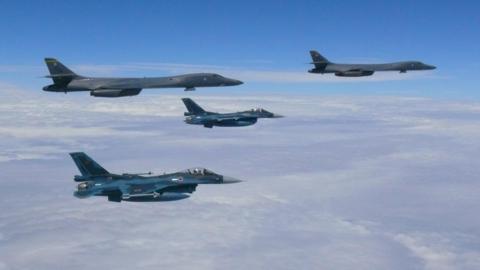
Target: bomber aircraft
x,y
65,80
96,181
196,115
322,65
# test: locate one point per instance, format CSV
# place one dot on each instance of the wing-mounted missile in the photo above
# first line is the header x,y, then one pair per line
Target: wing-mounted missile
x,y
147,173
190,89
131,175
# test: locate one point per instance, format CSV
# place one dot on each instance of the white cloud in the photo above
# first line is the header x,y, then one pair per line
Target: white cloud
x,y
438,252
434,257
340,183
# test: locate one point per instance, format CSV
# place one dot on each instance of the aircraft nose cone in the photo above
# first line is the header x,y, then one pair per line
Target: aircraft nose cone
x,y
230,180
237,82
278,116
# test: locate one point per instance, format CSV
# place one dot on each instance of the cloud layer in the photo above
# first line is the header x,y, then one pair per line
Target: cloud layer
x,y
340,183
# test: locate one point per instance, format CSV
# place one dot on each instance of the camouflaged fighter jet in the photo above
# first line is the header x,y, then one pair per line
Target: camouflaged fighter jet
x,y
322,65
65,80
198,116
96,181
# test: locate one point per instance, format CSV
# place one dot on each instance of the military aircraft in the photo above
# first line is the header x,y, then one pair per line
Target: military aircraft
x,y
198,116
65,80
322,65
96,181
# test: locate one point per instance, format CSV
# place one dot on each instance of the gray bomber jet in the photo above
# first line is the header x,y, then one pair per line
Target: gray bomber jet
x,y
65,80
198,116
96,181
322,65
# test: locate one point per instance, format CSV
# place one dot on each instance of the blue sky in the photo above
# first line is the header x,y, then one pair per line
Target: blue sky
x,y
265,35
373,173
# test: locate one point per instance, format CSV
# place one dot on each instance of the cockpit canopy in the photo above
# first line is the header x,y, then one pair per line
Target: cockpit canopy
x,y
262,112
199,171
259,110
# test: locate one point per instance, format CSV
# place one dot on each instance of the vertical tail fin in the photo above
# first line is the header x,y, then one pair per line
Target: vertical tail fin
x,y
60,74
86,165
318,60
192,107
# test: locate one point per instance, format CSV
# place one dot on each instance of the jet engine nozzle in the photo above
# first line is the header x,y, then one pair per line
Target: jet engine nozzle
x,y
82,186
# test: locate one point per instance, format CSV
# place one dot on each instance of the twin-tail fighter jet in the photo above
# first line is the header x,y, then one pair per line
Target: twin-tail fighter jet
x,y
65,80
96,181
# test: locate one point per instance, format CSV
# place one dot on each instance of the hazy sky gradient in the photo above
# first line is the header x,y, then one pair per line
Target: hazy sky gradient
x,y
255,36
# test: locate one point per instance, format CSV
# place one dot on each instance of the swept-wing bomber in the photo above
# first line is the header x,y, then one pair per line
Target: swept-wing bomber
x,y
65,80
196,115
322,66
96,181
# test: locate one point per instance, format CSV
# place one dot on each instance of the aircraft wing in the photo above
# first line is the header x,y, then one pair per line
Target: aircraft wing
x,y
115,92
352,69
149,190
235,118
354,72
136,190
142,189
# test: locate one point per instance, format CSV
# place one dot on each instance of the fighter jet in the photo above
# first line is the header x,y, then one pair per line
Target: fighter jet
x,y
96,181
198,116
65,80
322,65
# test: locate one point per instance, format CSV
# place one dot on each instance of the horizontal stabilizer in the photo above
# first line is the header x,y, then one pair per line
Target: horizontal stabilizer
x,y
58,76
